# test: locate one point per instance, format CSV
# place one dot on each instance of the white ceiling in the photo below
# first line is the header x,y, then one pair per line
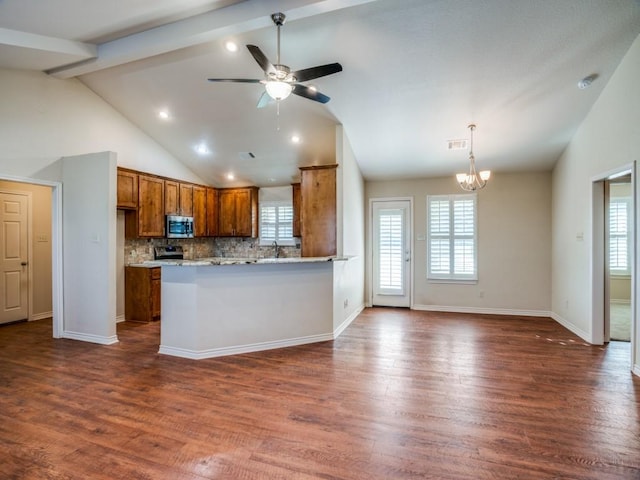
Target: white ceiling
x,y
416,73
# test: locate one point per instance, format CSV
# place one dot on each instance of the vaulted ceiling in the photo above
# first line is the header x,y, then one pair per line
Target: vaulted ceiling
x,y
416,73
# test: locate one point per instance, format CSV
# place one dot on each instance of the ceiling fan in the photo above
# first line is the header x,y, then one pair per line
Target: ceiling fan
x,y
280,81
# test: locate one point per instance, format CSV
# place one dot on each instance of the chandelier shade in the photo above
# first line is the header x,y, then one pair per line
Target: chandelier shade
x,y
473,180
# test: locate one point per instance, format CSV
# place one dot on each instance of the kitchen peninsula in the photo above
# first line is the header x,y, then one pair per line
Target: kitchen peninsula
x,y
216,307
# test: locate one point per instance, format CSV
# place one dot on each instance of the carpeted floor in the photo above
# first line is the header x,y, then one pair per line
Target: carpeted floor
x,y
620,322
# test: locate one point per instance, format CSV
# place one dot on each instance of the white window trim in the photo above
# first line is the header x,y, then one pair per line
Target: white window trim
x,y
286,242
627,272
452,277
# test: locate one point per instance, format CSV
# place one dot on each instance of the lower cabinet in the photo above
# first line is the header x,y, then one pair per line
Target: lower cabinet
x,y
142,293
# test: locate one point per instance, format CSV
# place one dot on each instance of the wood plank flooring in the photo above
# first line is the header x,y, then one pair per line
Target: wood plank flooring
x,y
400,395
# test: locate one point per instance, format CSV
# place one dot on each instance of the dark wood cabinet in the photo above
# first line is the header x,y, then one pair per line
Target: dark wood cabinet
x,y
318,211
171,197
212,212
148,220
127,189
295,194
178,198
199,211
142,298
186,200
238,212
150,206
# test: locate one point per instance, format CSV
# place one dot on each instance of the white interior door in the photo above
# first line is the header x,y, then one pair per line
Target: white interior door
x,y
391,266
14,279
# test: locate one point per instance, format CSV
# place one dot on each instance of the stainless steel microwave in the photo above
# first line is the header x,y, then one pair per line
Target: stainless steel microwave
x,y
179,226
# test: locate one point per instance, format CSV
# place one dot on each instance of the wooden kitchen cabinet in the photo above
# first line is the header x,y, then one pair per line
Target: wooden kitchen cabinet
x,y
178,198
199,211
238,212
148,220
186,200
171,197
318,210
142,298
127,189
212,212
295,191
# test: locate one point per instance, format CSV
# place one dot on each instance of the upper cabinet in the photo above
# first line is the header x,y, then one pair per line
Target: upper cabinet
x,y
171,196
199,211
318,210
148,219
186,200
178,198
127,189
229,212
238,212
212,212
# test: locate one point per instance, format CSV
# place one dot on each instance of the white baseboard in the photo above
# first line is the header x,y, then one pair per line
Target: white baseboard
x,y
573,328
341,328
40,316
88,337
481,310
249,348
120,318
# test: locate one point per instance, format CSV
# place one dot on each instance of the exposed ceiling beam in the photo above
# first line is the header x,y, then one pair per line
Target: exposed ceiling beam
x,y
206,27
28,50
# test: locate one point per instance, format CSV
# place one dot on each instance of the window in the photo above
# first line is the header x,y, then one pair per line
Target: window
x,y
619,261
390,250
276,223
452,237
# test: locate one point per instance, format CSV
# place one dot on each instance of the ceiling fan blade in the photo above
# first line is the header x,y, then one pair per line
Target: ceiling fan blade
x,y
264,100
236,80
317,72
262,60
306,92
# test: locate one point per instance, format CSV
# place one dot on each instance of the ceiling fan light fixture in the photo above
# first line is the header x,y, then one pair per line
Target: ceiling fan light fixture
x,y
278,90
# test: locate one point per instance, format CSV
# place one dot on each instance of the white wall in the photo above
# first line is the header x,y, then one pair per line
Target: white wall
x,y
514,244
43,119
608,138
89,247
350,235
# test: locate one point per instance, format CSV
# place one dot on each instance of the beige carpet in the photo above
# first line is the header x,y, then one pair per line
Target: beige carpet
x,y
620,322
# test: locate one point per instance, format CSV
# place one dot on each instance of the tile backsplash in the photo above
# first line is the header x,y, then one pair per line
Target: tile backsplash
x,y
140,250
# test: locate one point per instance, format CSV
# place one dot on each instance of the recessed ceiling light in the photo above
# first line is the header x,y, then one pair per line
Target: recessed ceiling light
x,y
231,46
230,176
163,114
202,149
295,139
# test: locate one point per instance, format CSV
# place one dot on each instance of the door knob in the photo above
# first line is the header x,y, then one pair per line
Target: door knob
x,y
23,263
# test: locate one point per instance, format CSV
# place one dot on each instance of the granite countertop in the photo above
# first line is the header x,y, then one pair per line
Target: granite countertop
x,y
213,261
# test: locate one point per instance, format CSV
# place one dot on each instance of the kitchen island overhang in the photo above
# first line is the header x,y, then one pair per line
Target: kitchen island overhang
x,y
212,309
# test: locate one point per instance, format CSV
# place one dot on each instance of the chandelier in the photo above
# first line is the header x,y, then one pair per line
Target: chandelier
x,y
473,180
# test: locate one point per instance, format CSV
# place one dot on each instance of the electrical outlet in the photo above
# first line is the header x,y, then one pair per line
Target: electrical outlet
x,y
481,294
346,302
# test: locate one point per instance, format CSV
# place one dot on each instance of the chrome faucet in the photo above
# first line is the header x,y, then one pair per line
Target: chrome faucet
x,y
275,248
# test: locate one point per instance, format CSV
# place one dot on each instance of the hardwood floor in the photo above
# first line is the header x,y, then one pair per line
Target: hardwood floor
x,y
400,395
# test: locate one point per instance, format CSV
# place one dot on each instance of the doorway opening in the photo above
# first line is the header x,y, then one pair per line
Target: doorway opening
x,y
32,247
618,258
614,258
